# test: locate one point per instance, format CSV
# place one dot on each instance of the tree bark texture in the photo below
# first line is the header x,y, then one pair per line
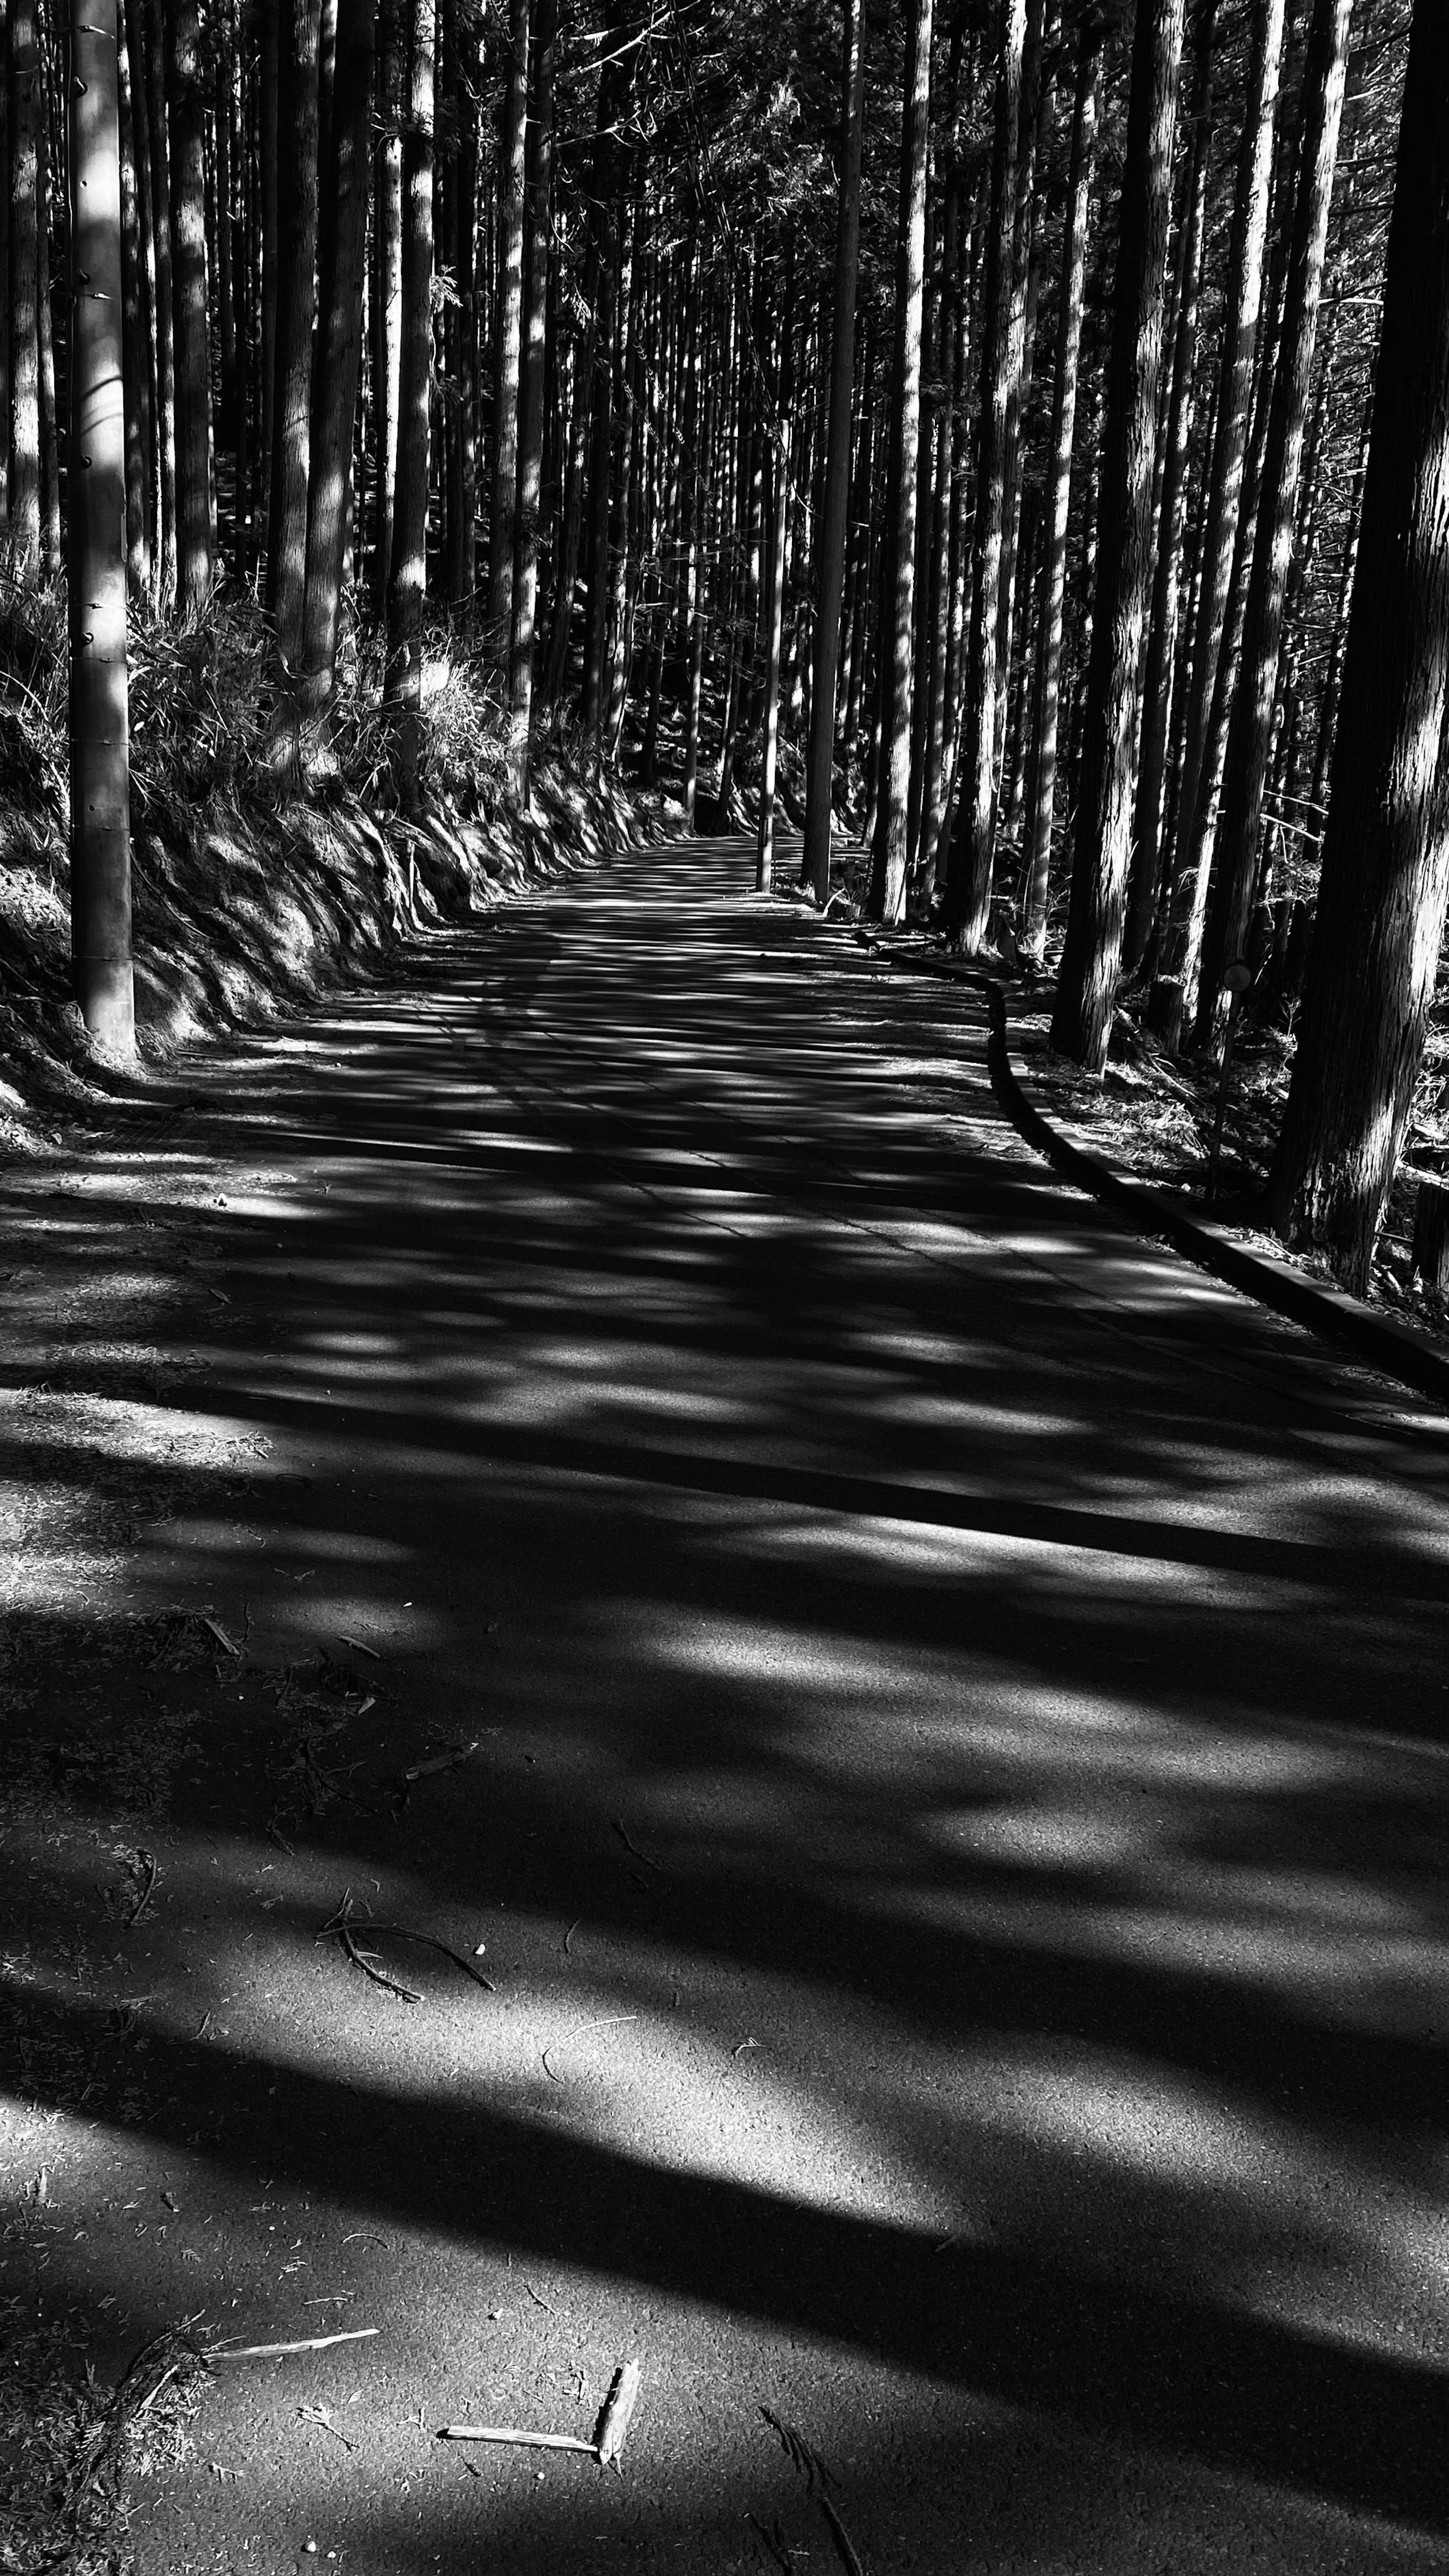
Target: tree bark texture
x,y
830,556
297,227
407,582
187,108
338,356
1087,988
1385,875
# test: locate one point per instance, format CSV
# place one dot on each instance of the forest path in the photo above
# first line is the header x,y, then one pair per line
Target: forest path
x,y
957,1826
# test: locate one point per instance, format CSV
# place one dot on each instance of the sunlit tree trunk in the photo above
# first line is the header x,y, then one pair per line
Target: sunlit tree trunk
x,y
968,884
136,340
338,355
539,200
100,843
1087,987
387,287
50,549
403,686
297,226
1385,876
194,533
887,894
1043,776
830,556
503,521
25,114
1146,873
149,27
1251,731
780,464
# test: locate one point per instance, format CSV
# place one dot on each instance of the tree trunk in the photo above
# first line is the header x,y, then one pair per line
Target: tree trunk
x,y
1031,134
1386,854
25,114
1157,684
775,615
503,521
1087,988
1251,732
100,838
151,15
532,394
387,289
136,341
830,555
1242,308
50,549
407,583
188,268
338,357
1042,795
887,894
968,884
297,224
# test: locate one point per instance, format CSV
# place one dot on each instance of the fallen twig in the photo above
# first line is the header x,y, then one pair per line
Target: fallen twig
x,y
633,1847
511,2433
450,1761
818,2479
222,1639
341,1928
152,1873
321,2417
275,2351
359,1648
618,2414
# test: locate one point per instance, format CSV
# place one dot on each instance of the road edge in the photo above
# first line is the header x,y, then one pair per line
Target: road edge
x,y
1399,1350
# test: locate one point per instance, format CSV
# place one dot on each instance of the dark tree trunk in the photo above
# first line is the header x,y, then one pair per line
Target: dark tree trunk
x,y
338,356
1386,855
407,582
1087,989
297,224
503,522
25,114
532,394
194,534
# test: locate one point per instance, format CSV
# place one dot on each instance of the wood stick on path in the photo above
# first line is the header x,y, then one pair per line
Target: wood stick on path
x,y
273,2351
511,2433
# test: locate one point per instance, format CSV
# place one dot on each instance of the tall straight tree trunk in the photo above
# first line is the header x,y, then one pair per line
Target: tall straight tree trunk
x,y
1031,137
887,893
1087,988
1146,873
830,555
338,357
1242,307
775,612
387,293
403,685
1042,794
100,832
136,342
602,288
297,224
1333,682
25,114
6,131
151,15
1250,734
188,268
50,550
503,520
972,854
269,192
1385,876
463,490
532,414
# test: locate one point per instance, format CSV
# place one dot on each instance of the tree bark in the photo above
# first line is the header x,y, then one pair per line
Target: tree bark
x,y
532,394
100,841
830,555
1250,733
25,114
136,341
407,582
194,535
1087,988
887,893
1042,794
297,225
968,883
338,357
150,14
503,521
1146,875
1386,853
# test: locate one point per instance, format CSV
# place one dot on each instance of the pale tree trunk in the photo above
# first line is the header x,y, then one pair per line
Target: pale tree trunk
x,y
1385,875
338,356
532,394
136,339
297,224
1250,734
151,15
1035,108
887,894
780,451
503,519
830,557
1087,987
403,684
194,538
6,131
1041,798
26,109
50,552
387,290
1146,874
972,852
100,834
1242,307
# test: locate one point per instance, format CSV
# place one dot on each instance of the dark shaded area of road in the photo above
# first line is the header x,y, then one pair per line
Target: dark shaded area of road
x,y
957,1822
